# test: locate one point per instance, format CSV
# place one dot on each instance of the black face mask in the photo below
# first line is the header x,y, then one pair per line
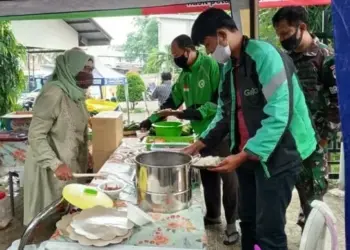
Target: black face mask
x,y
181,62
292,43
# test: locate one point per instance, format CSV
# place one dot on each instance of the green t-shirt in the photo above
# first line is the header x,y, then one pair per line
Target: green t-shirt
x,y
197,88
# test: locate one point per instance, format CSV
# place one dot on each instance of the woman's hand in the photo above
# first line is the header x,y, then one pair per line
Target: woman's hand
x,y
63,173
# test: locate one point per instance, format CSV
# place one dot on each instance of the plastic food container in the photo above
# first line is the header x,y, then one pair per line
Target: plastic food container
x,y
112,188
168,128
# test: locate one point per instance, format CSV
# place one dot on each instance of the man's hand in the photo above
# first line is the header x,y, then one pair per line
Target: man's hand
x,y
165,113
194,148
231,162
63,173
145,125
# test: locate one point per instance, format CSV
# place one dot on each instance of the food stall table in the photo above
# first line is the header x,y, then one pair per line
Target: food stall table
x,y
180,230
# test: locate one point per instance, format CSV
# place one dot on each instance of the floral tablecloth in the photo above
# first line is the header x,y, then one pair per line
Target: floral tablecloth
x,y
181,230
13,154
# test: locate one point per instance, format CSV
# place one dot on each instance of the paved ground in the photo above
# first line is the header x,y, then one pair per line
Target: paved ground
x,y
215,234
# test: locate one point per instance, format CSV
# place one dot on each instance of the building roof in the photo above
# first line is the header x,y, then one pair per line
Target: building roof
x,y
90,32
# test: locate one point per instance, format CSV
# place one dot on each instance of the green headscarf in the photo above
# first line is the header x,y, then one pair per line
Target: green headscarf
x,y
67,67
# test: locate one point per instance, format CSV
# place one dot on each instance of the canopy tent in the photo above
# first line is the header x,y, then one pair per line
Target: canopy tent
x,y
104,75
44,9
198,7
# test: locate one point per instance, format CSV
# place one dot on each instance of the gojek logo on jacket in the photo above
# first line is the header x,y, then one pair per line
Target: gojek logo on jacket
x,y
201,84
251,91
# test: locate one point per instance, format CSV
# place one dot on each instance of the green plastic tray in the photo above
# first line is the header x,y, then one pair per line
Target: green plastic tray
x,y
149,140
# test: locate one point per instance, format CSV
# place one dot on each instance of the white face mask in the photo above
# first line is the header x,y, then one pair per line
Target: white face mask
x,y
222,53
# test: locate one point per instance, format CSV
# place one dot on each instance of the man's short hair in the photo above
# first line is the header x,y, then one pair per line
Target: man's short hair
x,y
294,15
208,22
166,76
184,42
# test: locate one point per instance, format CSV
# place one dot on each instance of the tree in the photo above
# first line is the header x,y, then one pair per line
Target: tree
x,y
12,80
266,29
141,42
136,88
160,61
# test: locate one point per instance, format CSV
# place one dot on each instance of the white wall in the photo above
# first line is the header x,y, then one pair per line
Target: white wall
x,y
171,26
48,34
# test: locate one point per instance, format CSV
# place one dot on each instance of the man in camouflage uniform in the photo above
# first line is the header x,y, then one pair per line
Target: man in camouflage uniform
x,y
316,71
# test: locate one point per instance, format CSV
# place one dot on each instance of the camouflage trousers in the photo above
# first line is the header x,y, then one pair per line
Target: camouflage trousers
x,y
312,183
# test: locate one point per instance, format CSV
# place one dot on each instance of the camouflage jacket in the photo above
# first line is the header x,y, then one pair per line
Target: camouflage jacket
x,y
316,71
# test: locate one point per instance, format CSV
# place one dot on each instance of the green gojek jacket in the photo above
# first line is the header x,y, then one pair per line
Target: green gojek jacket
x,y
198,89
281,134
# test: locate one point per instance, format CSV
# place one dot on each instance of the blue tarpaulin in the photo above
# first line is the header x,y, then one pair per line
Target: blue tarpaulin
x,y
341,22
104,76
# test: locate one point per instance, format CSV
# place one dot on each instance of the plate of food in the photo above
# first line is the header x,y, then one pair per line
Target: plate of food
x,y
207,162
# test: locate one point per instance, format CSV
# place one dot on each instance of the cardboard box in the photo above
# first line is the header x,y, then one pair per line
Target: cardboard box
x,y
100,157
107,131
107,135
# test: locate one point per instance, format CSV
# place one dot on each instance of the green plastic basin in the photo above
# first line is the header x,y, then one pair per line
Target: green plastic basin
x,y
168,128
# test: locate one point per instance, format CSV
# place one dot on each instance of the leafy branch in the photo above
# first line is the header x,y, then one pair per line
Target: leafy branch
x,y
12,80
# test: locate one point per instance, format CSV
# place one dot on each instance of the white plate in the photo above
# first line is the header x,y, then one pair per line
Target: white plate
x,y
98,243
101,223
63,223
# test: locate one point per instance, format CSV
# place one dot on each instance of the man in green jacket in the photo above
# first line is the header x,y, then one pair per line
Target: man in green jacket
x,y
262,107
197,87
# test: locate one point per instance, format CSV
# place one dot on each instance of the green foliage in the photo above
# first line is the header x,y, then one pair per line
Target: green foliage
x,y
136,88
316,17
141,42
160,61
12,80
267,31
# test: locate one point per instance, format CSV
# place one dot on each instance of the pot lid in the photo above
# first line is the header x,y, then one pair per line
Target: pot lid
x,y
85,197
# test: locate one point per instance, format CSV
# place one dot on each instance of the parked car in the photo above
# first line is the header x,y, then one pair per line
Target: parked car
x,y
25,97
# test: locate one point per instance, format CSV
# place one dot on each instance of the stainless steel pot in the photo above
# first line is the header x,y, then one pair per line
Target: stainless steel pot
x,y
163,181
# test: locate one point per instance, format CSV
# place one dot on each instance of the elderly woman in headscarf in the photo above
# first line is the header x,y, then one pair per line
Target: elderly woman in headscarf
x,y
58,141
